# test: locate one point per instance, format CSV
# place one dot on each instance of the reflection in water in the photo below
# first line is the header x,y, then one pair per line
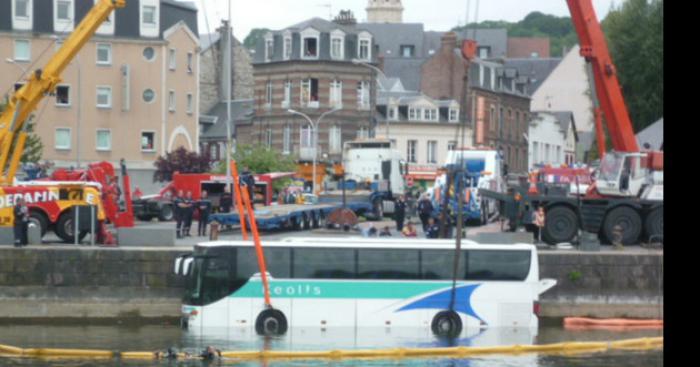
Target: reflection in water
x,y
153,338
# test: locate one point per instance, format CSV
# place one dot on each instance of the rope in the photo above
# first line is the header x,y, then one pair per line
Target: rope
x,y
640,344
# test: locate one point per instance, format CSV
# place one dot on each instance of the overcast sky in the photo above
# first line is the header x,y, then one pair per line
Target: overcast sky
x,y
278,14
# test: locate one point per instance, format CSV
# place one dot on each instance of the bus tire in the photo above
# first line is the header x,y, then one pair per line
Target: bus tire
x,y
560,225
654,224
166,213
446,323
271,322
627,218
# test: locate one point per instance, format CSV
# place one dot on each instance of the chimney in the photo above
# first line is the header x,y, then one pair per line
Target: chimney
x,y
449,41
380,62
469,49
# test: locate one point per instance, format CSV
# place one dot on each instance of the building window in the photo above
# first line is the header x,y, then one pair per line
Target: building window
x,y
171,59
190,103
21,8
63,95
287,94
104,97
484,52
432,151
148,139
454,114
336,95
171,101
309,93
413,114
104,140
412,150
63,10
492,119
430,114
311,47
287,140
363,52
306,137
269,48
363,95
451,145
104,54
214,152
362,133
407,51
189,62
535,55
149,15
337,48
22,50
149,53
393,113
62,138
149,95
287,47
268,94
268,138
334,140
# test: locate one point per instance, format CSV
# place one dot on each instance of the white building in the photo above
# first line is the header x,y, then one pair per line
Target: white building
x,y
552,138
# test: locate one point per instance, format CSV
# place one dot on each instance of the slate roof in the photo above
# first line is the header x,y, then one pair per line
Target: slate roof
x,y
242,111
408,70
389,37
653,135
538,70
496,38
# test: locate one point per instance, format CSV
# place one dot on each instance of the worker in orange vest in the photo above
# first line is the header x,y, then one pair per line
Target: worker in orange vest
x,y
538,220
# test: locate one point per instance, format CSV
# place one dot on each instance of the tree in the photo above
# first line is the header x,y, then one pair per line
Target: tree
x,y
635,37
181,160
261,159
33,147
252,39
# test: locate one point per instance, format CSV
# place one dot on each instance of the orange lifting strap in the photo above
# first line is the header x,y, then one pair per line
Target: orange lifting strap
x,y
258,245
239,203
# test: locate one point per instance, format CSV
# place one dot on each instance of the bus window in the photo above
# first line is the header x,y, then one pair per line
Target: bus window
x,y
193,283
497,265
277,261
217,281
323,263
387,264
439,264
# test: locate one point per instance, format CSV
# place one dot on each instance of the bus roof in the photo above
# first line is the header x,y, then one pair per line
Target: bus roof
x,y
370,244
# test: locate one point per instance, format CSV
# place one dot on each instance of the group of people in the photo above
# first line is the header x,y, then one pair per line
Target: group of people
x,y
185,207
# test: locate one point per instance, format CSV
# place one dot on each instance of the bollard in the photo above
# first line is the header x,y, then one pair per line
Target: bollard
x,y
214,231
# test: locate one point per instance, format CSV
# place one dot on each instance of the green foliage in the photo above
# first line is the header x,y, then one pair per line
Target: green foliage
x,y
635,37
252,39
181,160
33,147
560,30
260,159
575,276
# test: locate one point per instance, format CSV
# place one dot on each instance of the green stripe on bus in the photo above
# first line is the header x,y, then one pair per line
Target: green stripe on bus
x,y
338,289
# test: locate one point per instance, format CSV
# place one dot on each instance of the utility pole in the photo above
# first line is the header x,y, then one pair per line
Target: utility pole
x,y
227,77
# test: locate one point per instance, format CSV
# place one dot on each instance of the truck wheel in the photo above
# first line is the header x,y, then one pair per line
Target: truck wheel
x,y
315,221
560,225
64,228
307,221
166,213
654,224
39,219
630,222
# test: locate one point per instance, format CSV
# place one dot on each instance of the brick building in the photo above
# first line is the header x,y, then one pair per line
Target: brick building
x,y
308,68
528,47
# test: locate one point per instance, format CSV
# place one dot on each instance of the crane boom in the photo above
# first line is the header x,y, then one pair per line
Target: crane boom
x,y
594,49
40,83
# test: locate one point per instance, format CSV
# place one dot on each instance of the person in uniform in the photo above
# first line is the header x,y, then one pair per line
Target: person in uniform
x,y
204,207
21,222
179,208
248,180
400,212
189,213
433,231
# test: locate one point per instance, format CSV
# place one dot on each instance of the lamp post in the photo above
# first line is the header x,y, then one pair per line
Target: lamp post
x,y
314,132
11,61
377,71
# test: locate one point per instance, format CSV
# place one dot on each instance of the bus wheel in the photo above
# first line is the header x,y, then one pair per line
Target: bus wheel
x,y
630,224
271,322
446,323
560,225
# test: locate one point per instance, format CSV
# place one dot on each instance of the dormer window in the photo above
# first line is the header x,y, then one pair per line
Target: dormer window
x,y
310,47
337,45
364,46
310,42
269,47
287,47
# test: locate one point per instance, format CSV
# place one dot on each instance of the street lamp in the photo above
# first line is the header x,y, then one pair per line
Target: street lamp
x,y
11,61
314,131
376,70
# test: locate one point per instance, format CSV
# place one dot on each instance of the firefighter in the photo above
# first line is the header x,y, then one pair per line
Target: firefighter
x,y
189,213
179,205
433,231
204,207
400,212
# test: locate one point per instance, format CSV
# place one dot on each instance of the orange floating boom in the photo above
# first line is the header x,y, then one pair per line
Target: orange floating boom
x,y
578,322
239,202
258,245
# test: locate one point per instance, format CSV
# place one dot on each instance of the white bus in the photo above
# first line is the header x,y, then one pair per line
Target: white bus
x,y
339,282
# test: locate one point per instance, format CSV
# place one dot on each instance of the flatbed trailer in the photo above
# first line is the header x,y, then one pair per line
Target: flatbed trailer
x,y
638,219
290,216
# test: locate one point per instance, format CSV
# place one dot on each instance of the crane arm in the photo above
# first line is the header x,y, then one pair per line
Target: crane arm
x,y
594,49
40,83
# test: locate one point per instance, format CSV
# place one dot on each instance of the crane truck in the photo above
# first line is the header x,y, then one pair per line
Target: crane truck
x,y
625,200
51,203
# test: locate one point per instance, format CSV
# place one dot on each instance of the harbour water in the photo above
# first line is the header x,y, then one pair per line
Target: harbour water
x,y
154,337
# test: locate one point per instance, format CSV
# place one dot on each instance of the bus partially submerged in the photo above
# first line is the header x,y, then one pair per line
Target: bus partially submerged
x,y
339,282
